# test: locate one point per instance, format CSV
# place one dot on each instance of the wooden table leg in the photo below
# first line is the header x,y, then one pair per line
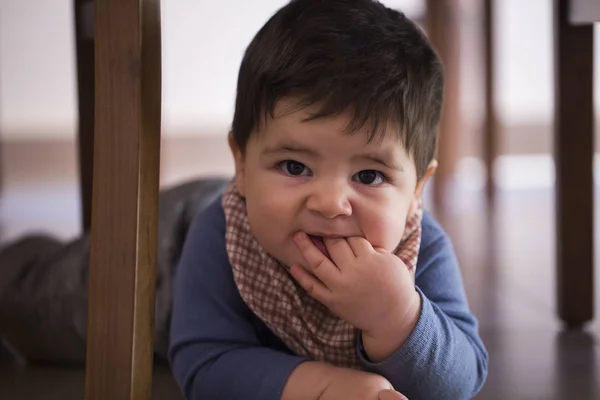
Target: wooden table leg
x,y
574,150
84,47
442,28
490,123
125,200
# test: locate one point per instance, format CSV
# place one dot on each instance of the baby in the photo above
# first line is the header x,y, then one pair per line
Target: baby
x,y
317,274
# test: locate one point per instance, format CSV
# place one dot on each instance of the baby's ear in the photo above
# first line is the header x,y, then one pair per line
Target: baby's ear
x,y
240,164
431,168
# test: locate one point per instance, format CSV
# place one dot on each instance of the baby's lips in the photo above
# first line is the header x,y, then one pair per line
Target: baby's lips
x,y
319,244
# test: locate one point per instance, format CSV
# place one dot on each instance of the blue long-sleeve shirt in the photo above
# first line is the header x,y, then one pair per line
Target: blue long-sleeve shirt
x,y
220,350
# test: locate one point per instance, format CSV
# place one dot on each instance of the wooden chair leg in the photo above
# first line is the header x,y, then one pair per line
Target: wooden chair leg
x,y
490,123
125,200
574,150
84,47
442,28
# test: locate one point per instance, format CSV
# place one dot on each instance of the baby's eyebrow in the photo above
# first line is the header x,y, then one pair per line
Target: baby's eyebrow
x,y
289,149
386,161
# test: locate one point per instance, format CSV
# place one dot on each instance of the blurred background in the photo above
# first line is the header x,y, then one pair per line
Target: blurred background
x,y
203,43
507,251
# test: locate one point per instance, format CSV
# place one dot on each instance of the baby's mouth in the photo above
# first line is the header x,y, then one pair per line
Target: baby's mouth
x,y
320,244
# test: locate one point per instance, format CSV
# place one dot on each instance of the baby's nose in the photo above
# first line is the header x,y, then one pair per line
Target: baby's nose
x,y
330,201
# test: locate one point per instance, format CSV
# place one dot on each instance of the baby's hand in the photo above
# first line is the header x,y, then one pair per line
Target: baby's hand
x,y
358,385
391,395
369,288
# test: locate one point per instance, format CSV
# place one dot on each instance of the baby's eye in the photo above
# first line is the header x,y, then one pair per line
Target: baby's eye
x,y
294,168
369,177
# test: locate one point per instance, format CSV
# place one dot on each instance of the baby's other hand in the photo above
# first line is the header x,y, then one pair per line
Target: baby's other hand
x,y
391,395
350,384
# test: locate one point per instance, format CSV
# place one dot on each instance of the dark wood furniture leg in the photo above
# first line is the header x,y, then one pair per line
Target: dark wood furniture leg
x,y
125,200
442,28
573,151
84,47
490,122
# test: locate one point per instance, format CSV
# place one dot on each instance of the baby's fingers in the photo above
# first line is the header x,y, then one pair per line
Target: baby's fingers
x,y
314,287
316,262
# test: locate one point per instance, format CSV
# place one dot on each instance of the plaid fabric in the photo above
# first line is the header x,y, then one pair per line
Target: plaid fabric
x,y
306,326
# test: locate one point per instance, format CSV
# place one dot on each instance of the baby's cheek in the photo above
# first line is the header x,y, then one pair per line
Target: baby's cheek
x,y
273,206
270,209
385,232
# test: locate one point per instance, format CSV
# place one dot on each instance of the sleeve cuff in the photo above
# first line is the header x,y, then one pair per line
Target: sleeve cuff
x,y
287,366
419,341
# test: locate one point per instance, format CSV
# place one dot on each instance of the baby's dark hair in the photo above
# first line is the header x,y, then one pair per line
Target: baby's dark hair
x,y
344,56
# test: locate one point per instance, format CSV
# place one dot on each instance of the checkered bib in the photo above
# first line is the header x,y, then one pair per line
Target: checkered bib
x,y
306,326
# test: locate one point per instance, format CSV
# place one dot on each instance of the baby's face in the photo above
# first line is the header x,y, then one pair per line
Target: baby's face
x,y
314,177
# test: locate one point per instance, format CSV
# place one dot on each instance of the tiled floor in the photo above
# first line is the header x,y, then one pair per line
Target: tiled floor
x,y
507,257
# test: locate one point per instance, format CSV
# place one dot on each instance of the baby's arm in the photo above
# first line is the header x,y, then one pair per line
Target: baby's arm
x,y
214,351
444,357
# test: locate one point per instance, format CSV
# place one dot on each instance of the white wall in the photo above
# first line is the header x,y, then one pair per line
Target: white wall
x,y
202,48
37,88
